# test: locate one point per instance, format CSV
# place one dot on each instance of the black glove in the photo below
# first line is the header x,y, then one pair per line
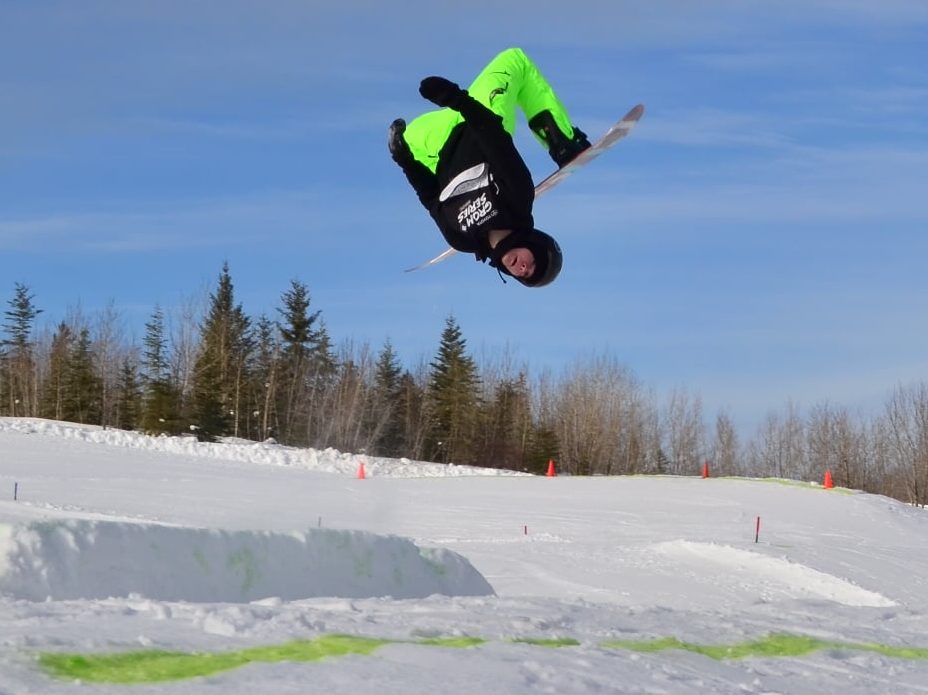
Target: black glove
x,y
440,91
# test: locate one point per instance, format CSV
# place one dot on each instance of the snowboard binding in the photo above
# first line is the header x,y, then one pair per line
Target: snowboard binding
x,y
561,148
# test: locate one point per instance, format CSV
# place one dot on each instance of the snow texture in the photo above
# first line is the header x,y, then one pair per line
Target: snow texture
x,y
119,542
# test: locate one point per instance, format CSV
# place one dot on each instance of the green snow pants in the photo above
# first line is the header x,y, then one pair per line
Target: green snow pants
x,y
511,79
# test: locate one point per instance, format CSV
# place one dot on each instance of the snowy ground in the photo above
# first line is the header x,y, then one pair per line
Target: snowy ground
x,y
119,542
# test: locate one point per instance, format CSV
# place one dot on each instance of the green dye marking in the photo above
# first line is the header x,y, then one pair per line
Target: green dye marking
x,y
244,561
137,667
772,645
153,666
912,653
775,645
646,646
541,642
437,567
455,642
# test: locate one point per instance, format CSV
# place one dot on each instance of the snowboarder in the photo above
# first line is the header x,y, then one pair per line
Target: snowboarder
x,y
467,172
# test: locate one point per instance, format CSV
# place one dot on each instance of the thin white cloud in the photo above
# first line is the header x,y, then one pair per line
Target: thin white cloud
x,y
271,218
796,185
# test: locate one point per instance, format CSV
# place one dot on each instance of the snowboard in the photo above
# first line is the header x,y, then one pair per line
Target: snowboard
x,y
609,138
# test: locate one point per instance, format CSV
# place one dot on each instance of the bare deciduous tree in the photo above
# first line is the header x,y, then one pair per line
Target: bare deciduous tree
x,y
684,428
836,444
109,353
724,451
907,420
778,449
598,415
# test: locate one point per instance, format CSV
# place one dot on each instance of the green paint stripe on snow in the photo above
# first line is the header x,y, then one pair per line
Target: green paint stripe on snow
x,y
150,666
454,642
776,645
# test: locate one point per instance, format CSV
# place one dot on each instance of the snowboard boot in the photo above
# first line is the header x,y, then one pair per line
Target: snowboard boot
x,y
396,143
561,148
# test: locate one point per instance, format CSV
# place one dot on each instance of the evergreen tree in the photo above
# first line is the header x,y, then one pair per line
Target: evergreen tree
x,y
322,380
325,363
82,399
453,399
507,426
298,337
18,382
412,414
264,378
386,417
543,446
219,371
161,398
128,396
51,403
663,462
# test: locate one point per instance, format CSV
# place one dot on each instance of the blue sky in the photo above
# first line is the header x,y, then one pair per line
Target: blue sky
x,y
760,237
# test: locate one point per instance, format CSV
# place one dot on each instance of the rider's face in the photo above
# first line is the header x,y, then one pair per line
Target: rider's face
x,y
520,262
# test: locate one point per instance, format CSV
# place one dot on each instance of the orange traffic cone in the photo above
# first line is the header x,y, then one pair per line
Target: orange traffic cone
x,y
829,483
705,470
361,474
551,472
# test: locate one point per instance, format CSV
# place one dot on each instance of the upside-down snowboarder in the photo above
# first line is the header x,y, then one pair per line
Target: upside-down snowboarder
x,y
467,172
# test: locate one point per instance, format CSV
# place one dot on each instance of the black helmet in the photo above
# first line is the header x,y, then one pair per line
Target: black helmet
x,y
547,253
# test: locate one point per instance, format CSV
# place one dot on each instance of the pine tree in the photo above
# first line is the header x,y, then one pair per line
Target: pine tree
x,y
507,425
82,399
18,382
51,404
543,446
219,371
128,396
322,379
161,399
386,417
298,337
412,414
453,399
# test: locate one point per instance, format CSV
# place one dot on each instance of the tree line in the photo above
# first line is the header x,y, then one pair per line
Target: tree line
x,y
215,372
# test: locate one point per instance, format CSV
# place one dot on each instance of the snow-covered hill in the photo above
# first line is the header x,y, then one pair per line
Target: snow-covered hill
x,y
119,542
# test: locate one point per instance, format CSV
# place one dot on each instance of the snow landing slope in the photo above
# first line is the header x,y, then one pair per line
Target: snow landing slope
x,y
647,584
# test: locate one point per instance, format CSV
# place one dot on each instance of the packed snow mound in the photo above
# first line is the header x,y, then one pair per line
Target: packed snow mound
x,y
773,578
79,559
231,449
